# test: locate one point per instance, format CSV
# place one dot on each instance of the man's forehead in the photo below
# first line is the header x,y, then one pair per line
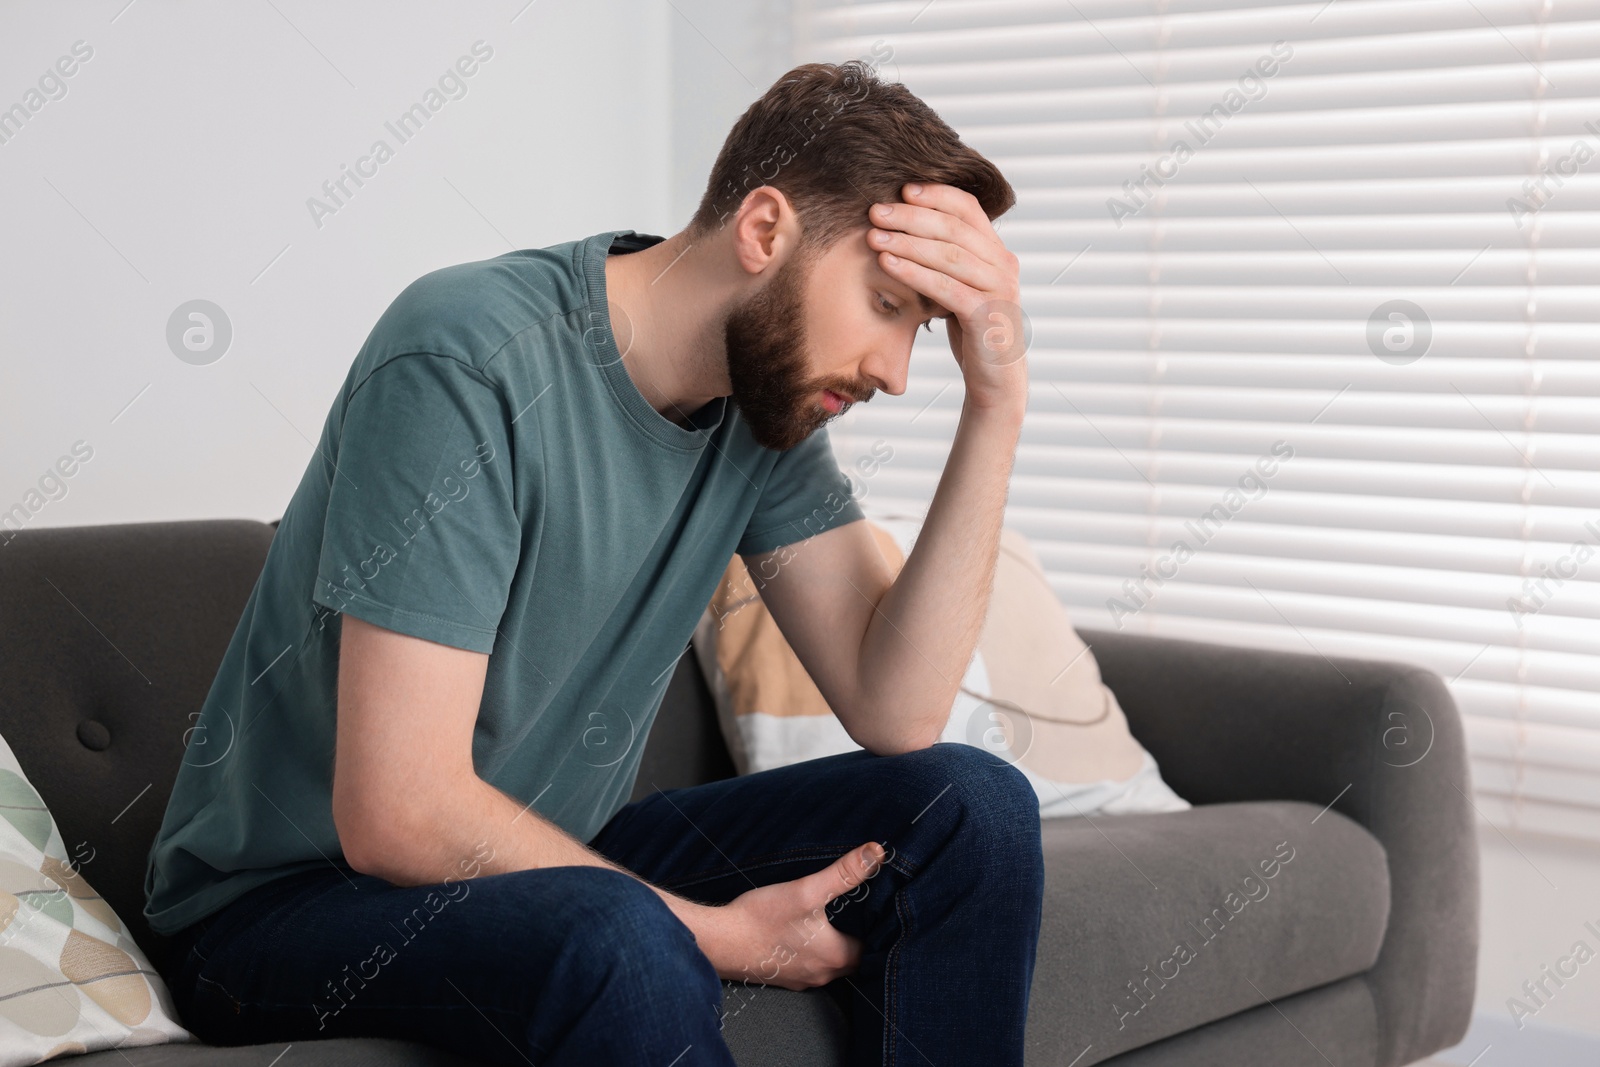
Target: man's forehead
x,y
929,308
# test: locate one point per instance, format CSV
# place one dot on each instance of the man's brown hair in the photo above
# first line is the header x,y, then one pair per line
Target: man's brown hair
x,y
835,139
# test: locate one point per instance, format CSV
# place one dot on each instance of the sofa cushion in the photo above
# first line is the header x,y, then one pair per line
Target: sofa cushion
x,y
1031,694
1334,1023
1157,923
71,980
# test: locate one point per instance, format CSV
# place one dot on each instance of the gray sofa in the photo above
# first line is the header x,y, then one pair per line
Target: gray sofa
x,y
1360,950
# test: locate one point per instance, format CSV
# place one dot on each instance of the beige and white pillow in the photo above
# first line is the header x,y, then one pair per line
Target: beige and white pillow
x,y
71,978
1032,694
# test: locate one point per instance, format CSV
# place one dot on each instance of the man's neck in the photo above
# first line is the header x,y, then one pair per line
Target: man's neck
x,y
667,313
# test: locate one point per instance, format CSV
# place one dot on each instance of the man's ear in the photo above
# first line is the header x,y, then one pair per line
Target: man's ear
x,y
766,229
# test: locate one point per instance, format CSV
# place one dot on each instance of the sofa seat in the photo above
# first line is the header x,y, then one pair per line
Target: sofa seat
x,y
1123,891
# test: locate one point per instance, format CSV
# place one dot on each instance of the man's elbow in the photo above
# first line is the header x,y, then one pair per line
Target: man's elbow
x,y
373,844
894,742
902,745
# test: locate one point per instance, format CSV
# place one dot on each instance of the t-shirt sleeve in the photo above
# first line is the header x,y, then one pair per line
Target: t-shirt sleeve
x,y
422,534
805,494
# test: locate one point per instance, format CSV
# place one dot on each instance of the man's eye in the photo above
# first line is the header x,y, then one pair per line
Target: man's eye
x,y
887,308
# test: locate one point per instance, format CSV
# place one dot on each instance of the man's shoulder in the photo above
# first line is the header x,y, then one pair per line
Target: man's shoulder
x,y
470,311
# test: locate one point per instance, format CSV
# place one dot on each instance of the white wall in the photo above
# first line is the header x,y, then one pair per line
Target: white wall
x,y
178,166
1538,894
725,54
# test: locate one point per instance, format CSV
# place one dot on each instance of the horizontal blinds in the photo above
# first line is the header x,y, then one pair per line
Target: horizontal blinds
x,y
1436,504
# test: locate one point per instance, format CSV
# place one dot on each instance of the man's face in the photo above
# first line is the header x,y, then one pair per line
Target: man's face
x,y
838,324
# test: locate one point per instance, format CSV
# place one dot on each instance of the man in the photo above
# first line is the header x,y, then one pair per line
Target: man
x,y
403,809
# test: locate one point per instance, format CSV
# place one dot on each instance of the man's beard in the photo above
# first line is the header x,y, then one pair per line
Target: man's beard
x,y
765,341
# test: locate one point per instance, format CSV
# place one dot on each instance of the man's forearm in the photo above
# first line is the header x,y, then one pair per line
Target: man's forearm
x,y
477,830
918,644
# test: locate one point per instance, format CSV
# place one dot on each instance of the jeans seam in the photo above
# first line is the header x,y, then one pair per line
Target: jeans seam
x,y
891,979
238,1005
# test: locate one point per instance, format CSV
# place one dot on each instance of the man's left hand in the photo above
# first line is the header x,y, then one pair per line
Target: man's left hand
x,y
941,244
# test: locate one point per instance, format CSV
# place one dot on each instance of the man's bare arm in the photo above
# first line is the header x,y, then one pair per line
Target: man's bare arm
x,y
889,658
407,708
889,655
411,809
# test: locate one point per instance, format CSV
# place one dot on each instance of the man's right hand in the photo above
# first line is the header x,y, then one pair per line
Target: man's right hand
x,y
779,934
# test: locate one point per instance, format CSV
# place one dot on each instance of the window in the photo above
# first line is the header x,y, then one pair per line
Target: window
x,y
1314,295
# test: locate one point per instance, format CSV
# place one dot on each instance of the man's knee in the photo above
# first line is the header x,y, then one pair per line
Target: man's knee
x,y
991,788
625,933
628,915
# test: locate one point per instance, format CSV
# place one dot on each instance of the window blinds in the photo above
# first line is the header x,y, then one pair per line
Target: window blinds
x,y
1314,302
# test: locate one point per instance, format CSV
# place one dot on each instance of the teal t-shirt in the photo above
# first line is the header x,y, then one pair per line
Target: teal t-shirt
x,y
489,478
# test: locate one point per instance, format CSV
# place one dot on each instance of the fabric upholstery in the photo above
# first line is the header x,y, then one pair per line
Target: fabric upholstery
x,y
111,635
1335,1023
1154,925
71,979
1235,724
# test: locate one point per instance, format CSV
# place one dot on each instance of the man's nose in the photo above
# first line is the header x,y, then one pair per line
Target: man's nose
x,y
889,371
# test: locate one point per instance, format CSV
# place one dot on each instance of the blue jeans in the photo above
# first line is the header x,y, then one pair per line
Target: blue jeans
x,y
570,966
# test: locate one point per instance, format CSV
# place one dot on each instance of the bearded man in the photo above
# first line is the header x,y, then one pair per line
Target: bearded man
x,y
404,809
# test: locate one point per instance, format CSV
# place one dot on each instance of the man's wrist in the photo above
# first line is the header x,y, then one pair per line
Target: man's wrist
x,y
699,918
1005,412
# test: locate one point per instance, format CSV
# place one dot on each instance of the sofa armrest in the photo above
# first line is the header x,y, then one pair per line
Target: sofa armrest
x,y
1382,743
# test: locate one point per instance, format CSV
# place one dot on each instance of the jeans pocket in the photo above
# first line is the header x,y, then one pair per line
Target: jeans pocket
x,y
191,938
214,1015
201,991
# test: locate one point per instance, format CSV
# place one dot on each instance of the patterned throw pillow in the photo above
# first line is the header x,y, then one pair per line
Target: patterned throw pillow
x,y
1031,694
71,978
